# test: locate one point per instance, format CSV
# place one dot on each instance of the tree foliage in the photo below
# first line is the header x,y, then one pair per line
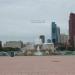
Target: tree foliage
x,y
9,49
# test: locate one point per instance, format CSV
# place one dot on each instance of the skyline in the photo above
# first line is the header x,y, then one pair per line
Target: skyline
x,y
26,19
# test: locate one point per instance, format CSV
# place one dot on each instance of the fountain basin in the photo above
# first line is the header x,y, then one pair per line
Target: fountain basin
x,y
38,53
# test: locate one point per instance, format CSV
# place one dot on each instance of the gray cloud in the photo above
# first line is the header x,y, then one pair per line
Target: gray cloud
x,y
16,17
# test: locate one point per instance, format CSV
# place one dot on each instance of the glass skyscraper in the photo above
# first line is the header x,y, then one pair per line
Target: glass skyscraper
x,y
55,33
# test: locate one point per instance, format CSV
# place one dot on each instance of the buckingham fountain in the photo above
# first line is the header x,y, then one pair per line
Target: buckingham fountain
x,y
38,44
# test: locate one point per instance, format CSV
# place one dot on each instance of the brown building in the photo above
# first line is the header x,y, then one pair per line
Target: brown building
x,y
72,29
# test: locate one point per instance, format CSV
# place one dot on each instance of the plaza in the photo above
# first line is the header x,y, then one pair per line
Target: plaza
x,y
37,65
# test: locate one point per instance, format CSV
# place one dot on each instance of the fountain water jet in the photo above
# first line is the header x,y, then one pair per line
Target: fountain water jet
x,y
38,43
38,52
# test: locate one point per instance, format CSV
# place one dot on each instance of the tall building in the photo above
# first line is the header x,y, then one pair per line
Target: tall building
x,y
42,37
58,34
64,39
72,29
0,44
55,33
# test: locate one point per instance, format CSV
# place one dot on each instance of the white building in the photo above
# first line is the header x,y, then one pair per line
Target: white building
x,y
48,46
28,47
14,44
64,39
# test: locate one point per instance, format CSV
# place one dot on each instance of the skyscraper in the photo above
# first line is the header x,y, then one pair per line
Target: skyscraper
x,y
0,44
42,37
72,29
55,33
58,34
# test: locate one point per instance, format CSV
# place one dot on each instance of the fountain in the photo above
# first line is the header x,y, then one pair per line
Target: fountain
x,y
38,43
38,52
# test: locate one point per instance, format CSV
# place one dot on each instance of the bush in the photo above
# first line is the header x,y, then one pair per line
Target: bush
x,y
9,49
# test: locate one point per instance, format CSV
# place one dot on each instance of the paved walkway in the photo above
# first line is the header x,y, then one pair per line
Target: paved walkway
x,y
37,65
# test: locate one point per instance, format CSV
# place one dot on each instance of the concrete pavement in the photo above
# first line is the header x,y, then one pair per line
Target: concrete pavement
x,y
37,65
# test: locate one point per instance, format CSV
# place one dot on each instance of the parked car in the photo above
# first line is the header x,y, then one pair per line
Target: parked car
x,y
4,54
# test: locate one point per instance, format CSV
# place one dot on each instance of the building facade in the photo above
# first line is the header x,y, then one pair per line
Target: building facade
x,y
55,33
42,37
58,34
48,46
49,41
0,44
14,44
72,29
64,39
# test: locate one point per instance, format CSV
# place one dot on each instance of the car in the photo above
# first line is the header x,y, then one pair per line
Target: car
x,y
4,54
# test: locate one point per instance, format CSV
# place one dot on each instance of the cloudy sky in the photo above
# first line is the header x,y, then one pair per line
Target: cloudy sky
x,y
27,19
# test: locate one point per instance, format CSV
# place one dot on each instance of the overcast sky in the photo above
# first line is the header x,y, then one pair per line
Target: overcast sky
x,y
27,19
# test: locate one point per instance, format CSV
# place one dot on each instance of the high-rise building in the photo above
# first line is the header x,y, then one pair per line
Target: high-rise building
x,y
0,44
64,39
55,33
42,37
72,29
58,34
